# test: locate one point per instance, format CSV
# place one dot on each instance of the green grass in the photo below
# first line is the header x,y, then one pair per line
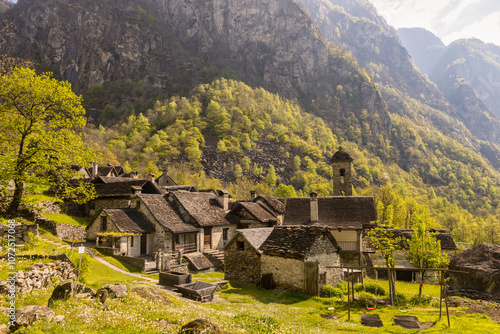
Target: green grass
x,y
209,277
62,218
117,263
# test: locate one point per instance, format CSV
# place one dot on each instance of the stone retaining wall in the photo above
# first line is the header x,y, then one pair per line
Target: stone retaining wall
x,y
63,231
41,275
21,232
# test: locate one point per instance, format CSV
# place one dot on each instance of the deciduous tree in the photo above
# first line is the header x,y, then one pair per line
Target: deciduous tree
x,y
40,133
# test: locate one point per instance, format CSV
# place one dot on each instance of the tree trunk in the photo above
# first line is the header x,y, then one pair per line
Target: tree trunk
x,y
17,198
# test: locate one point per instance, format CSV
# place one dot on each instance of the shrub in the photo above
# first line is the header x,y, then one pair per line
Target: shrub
x,y
420,301
331,291
365,299
343,286
371,287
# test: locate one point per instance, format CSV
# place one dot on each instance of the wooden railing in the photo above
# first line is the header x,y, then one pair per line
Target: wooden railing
x,y
348,246
186,248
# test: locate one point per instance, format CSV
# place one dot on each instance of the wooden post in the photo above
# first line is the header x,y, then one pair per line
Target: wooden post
x,y
348,298
352,284
446,303
440,294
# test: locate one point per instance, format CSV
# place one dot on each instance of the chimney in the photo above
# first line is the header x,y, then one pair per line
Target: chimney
x,y
136,190
314,208
94,165
253,194
223,198
151,177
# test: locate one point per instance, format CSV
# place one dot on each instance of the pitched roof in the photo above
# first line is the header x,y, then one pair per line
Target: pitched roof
x,y
254,236
123,188
447,242
345,212
204,208
165,215
129,220
256,210
294,241
341,155
273,202
115,179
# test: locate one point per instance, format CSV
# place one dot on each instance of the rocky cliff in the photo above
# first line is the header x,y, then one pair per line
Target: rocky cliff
x,y
90,42
356,26
175,44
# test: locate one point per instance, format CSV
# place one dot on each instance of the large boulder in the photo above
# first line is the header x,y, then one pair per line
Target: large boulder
x,y
201,326
116,290
27,315
70,289
483,266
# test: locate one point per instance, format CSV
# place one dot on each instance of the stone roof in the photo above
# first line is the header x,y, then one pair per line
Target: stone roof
x,y
256,210
198,261
341,155
180,187
123,188
345,212
274,203
254,236
204,208
294,241
447,242
115,179
165,215
129,220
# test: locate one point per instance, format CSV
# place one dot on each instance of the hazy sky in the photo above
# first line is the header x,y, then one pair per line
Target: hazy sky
x,y
447,19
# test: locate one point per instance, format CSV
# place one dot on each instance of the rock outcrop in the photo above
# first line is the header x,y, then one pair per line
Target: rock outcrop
x,y
483,266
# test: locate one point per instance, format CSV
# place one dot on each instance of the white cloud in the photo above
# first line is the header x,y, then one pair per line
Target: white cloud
x,y
450,19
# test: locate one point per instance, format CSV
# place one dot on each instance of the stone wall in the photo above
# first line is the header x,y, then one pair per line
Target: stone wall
x,y
63,231
325,254
288,273
21,232
242,266
95,226
41,275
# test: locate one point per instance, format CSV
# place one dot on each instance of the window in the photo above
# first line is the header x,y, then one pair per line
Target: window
x,y
176,239
132,241
342,176
240,245
138,204
322,278
104,223
225,234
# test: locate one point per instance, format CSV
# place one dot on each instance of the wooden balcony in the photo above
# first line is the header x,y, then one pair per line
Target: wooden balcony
x,y
348,246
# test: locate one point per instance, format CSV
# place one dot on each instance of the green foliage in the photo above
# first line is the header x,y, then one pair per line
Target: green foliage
x,y
371,287
40,123
331,291
284,191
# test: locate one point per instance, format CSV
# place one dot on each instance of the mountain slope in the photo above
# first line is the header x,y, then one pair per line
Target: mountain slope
x,y
424,47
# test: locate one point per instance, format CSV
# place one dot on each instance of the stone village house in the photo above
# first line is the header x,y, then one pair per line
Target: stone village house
x,y
178,220
294,258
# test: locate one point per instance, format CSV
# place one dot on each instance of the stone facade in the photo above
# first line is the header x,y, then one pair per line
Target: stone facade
x,y
289,272
242,264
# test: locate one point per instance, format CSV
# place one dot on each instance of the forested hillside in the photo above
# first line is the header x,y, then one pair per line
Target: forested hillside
x,y
231,135
259,94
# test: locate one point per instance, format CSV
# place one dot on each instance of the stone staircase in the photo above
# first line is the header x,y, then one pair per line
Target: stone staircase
x,y
369,263
216,257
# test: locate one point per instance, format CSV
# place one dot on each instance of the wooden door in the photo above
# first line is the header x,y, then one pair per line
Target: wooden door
x,y
144,245
311,278
207,231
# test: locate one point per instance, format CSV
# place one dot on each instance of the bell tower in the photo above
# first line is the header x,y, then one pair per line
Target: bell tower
x,y
342,180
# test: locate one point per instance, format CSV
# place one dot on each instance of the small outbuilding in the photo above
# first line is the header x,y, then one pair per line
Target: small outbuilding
x,y
298,258
242,257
